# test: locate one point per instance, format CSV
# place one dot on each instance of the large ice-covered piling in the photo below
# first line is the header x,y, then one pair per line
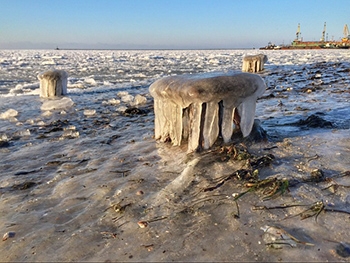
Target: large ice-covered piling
x,y
199,109
254,63
53,83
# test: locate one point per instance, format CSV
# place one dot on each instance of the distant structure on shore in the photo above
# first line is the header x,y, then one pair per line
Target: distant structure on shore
x,y
298,42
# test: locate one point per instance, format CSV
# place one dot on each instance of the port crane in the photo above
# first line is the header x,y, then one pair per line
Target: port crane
x,y
346,33
323,32
298,42
298,33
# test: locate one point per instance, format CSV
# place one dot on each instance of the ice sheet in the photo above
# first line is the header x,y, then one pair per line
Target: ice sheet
x,y
74,187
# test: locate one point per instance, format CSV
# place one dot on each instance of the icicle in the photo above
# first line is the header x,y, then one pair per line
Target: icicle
x,y
165,118
247,111
227,121
176,124
211,124
195,132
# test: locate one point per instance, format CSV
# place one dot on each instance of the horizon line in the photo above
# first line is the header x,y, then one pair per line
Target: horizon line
x,y
128,48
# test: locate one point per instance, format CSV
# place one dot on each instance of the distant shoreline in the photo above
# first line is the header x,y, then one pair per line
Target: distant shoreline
x,y
130,49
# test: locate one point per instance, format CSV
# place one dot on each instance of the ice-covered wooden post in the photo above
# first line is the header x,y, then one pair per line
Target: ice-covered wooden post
x,y
53,83
199,109
254,63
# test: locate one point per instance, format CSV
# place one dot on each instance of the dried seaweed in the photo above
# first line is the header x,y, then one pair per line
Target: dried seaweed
x,y
249,174
270,188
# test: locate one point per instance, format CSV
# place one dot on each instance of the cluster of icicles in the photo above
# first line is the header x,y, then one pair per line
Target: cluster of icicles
x,y
200,109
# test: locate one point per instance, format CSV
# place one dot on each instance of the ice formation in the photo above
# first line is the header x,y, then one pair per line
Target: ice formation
x,y
89,112
139,99
10,113
254,63
53,83
200,109
62,103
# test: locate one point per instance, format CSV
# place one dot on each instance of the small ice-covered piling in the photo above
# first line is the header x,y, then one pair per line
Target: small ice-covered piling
x,y
200,109
254,63
53,83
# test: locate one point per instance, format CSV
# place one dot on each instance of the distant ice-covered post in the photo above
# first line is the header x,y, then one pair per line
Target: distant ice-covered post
x,y
53,83
200,109
254,63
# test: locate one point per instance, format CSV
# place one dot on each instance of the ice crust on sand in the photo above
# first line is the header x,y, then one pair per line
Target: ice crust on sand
x,y
201,108
62,181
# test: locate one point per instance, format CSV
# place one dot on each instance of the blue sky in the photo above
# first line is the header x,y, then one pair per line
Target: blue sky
x,y
166,24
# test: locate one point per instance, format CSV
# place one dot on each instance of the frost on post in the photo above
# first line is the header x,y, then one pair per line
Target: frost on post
x,y
254,63
53,83
200,109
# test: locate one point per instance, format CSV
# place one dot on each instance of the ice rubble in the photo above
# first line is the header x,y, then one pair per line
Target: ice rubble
x,y
124,69
202,108
10,113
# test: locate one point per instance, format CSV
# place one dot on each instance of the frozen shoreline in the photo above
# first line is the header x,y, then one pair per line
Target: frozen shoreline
x,y
75,185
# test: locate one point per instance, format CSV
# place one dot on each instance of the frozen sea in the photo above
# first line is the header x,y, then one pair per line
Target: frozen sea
x,y
79,173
